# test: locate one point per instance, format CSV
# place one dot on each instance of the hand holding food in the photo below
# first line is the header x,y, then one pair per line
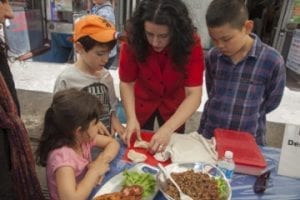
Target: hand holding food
x,y
159,141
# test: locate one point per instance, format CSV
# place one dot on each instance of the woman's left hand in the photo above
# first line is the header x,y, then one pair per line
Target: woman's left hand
x,y
160,141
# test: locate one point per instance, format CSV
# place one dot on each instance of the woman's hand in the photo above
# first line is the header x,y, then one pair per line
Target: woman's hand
x,y
102,130
133,126
160,140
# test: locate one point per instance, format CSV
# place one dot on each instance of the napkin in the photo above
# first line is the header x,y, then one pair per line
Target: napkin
x,y
190,147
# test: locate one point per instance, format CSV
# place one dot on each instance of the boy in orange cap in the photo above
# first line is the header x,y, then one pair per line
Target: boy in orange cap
x,y
105,9
94,37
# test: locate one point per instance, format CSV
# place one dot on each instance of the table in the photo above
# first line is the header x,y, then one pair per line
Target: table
x,y
280,187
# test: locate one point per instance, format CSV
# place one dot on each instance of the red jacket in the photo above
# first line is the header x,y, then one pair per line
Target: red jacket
x,y
157,84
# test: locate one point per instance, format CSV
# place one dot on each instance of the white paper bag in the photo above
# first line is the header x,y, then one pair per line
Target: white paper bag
x,y
290,152
191,147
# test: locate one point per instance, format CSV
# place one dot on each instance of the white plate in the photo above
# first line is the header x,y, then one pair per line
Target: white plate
x,y
115,183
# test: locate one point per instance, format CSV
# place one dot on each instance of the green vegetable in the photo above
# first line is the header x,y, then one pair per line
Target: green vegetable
x,y
145,180
223,188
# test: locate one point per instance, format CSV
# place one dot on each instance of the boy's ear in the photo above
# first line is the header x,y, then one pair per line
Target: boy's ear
x,y
78,47
249,26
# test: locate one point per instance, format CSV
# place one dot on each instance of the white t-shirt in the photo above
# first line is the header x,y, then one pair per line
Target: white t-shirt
x,y
101,86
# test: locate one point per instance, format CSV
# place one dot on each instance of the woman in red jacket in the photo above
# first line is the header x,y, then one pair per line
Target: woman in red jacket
x,y
161,68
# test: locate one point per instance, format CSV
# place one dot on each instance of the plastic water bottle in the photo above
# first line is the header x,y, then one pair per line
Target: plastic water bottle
x,y
226,164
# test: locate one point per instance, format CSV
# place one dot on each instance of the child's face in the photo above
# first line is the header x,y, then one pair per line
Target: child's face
x,y
92,130
230,41
5,11
95,59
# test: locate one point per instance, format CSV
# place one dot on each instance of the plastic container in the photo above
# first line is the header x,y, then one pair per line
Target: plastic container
x,y
226,164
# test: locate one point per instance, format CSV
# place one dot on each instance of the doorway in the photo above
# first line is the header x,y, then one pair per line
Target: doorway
x,y
265,14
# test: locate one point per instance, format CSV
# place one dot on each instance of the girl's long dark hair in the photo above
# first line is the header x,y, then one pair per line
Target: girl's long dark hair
x,y
69,110
172,13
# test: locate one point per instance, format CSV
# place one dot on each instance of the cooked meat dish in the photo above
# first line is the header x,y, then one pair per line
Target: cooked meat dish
x,y
195,184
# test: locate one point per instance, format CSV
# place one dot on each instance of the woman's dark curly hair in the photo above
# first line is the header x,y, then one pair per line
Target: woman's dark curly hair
x,y
172,13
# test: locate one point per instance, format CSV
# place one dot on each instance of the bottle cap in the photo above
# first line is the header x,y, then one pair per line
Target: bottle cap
x,y
228,154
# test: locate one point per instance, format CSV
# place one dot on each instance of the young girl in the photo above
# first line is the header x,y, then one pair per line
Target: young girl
x,y
70,131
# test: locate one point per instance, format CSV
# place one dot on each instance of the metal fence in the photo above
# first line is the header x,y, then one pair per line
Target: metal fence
x,y
124,9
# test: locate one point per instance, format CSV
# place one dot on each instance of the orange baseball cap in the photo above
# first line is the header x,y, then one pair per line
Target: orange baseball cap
x,y
96,27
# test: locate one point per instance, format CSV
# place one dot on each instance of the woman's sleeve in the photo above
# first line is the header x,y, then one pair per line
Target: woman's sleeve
x,y
128,67
195,66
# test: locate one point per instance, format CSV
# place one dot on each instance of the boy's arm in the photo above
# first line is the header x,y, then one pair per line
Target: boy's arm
x,y
116,124
113,99
275,88
208,73
60,84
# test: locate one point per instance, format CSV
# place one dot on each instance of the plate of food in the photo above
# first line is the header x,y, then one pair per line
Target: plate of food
x,y
136,183
198,180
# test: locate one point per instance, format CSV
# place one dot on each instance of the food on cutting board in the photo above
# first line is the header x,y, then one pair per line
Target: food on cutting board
x,y
135,156
198,185
141,144
162,156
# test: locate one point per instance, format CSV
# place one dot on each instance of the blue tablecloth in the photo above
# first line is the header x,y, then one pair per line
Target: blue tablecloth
x,y
280,187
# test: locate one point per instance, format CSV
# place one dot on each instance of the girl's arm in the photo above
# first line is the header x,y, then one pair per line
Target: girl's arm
x,y
67,188
110,148
65,177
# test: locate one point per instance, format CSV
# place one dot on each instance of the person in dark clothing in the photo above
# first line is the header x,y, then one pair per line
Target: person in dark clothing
x,y
18,178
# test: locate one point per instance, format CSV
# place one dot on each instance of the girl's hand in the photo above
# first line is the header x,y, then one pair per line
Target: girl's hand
x,y
133,126
159,141
98,169
102,130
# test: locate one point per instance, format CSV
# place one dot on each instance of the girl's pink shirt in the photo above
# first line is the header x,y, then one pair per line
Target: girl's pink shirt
x,y
66,156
